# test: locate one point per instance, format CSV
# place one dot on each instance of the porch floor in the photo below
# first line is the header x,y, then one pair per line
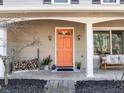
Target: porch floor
x,y
48,75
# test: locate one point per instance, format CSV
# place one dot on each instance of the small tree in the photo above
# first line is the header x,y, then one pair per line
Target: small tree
x,y
8,23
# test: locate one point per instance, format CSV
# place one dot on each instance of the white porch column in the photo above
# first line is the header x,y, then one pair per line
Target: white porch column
x,y
3,41
89,50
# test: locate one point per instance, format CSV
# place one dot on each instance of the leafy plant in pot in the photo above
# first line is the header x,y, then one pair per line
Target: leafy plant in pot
x,y
46,61
78,65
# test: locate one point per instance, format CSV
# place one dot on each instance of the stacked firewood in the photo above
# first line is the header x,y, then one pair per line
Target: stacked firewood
x,y
26,65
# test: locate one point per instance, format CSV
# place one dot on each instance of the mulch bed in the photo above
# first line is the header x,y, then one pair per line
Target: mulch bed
x,y
99,87
23,86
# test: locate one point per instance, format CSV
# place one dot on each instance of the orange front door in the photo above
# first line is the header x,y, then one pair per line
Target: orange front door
x,y
64,45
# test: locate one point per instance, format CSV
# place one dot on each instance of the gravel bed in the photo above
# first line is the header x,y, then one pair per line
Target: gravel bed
x,y
23,86
99,87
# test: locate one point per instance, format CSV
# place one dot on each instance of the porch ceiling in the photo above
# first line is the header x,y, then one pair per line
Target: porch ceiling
x,y
67,16
80,17
110,23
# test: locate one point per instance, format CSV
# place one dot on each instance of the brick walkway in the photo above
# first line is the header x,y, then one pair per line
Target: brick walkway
x,y
60,86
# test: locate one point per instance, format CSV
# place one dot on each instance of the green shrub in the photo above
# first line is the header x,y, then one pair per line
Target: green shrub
x,y
78,64
46,61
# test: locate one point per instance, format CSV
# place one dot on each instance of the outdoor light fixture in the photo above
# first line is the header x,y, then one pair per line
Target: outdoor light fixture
x,y
50,37
79,37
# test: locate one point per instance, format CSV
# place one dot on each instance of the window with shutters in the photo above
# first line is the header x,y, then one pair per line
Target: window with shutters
x,y
61,1
1,2
108,1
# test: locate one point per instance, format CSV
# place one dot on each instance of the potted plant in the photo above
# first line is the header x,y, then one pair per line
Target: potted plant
x,y
46,61
78,65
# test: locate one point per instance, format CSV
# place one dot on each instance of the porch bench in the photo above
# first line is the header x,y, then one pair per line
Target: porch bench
x,y
112,61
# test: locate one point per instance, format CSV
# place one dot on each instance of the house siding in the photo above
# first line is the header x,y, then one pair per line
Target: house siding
x,y
40,30
40,4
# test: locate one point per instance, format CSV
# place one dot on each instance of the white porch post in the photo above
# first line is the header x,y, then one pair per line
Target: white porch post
x,y
3,41
89,50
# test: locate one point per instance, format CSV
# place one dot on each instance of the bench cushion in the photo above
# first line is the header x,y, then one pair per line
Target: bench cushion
x,y
115,59
121,59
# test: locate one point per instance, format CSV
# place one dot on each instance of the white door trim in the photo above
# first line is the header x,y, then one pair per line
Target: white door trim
x,y
73,44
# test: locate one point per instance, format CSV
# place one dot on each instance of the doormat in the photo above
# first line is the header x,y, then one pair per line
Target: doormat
x,y
65,69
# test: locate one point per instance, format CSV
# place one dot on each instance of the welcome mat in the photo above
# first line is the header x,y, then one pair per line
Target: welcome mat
x,y
65,69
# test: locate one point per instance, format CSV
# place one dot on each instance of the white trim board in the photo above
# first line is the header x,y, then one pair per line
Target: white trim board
x,y
73,44
107,28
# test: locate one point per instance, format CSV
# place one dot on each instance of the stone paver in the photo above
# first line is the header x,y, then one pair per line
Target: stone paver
x,y
60,86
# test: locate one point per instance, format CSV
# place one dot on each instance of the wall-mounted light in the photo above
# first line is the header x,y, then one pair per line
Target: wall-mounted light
x,y
78,37
50,37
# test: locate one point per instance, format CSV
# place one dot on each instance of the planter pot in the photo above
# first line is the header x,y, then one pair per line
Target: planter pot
x,y
46,67
78,67
53,67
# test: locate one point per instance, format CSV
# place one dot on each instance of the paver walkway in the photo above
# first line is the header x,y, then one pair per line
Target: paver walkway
x,y
60,86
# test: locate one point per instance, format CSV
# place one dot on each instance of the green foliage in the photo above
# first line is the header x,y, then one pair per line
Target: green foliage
x,y
46,61
78,64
